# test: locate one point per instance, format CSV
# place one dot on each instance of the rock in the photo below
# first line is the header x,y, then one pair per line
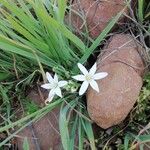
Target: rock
x,y
97,14
43,134
120,89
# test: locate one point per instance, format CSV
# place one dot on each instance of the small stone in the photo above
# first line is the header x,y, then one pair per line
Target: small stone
x,y
120,89
96,14
44,133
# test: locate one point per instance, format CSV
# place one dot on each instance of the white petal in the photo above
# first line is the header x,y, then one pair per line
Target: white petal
x,y
83,87
100,75
82,69
49,77
55,78
93,69
58,92
48,100
79,77
94,85
62,83
46,86
51,93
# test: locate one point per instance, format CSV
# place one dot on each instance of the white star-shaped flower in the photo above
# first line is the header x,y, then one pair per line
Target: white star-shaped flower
x,y
54,86
88,78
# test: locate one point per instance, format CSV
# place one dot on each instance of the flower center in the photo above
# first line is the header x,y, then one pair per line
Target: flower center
x,y
88,77
55,84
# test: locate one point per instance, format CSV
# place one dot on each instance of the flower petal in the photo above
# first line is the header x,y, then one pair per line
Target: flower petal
x,y
82,69
55,78
93,69
100,75
62,83
79,77
46,86
49,77
94,85
58,92
83,87
51,93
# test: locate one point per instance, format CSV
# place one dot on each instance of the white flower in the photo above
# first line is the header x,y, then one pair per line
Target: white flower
x,y
54,86
89,78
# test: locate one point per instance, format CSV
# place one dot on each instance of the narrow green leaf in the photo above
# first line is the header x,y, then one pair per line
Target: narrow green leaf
x,y
126,142
26,144
144,138
100,38
140,10
64,125
89,131
18,48
62,8
68,34
81,135
4,76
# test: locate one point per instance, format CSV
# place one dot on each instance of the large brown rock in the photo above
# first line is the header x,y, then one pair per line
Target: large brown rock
x,y
95,14
43,134
120,89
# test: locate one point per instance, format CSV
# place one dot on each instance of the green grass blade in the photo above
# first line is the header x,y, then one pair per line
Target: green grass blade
x,y
4,75
15,47
68,34
126,142
26,144
81,135
140,10
100,38
64,125
62,8
89,132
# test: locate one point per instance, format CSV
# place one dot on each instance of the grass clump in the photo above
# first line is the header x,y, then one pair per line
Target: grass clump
x,y
143,107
